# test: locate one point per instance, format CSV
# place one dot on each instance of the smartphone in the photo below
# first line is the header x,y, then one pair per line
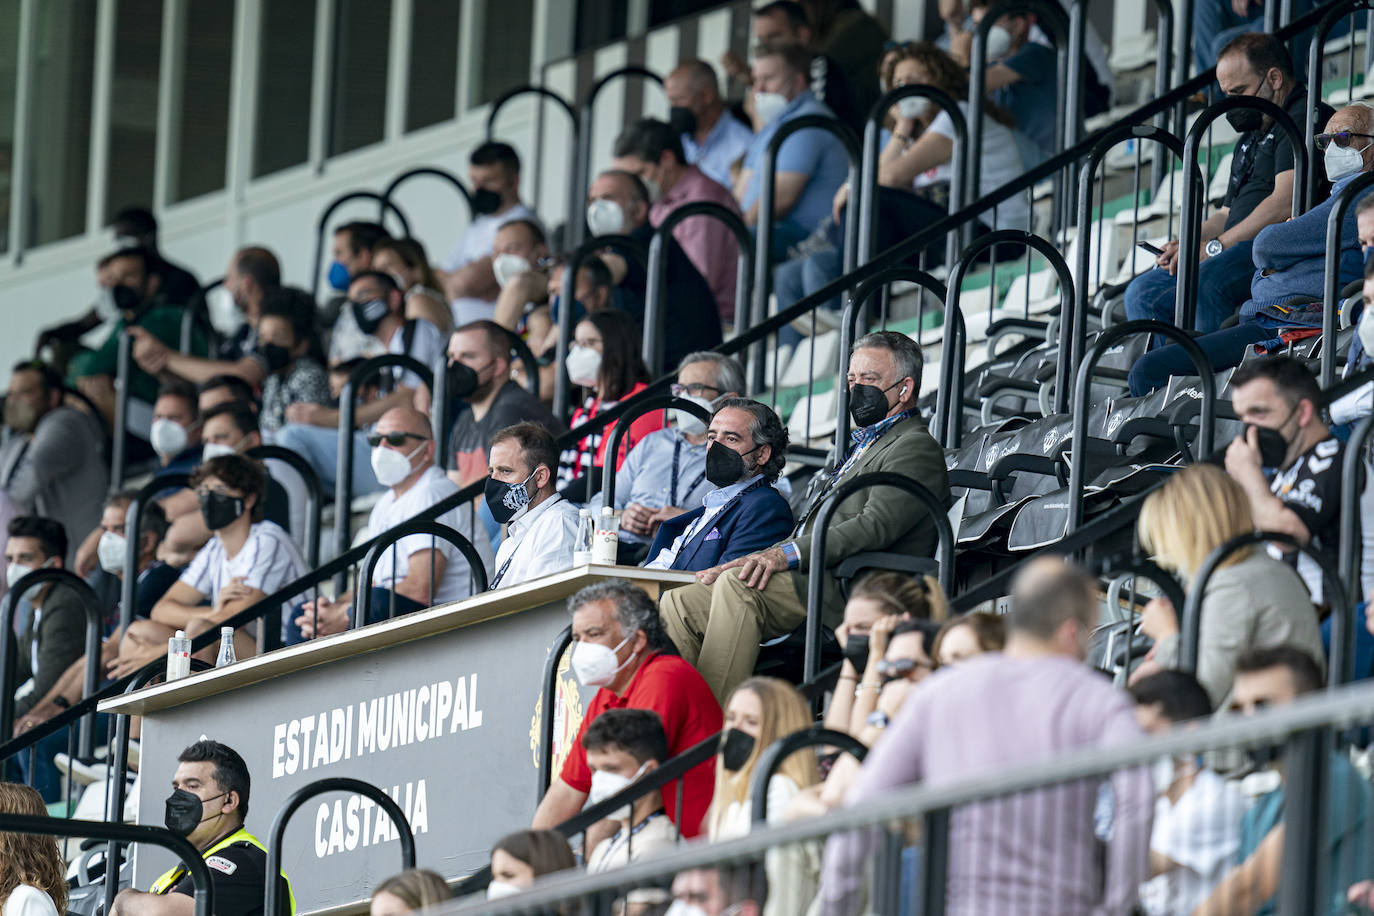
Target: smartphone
x,y
1152,249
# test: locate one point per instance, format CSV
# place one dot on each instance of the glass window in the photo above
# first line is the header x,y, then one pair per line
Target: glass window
x,y
433,76
9,53
286,60
59,135
663,11
505,47
133,106
362,46
600,22
203,120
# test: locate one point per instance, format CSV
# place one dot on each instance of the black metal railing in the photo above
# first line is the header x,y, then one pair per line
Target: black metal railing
x,y
362,592
133,523
322,226
314,493
622,429
773,756
424,171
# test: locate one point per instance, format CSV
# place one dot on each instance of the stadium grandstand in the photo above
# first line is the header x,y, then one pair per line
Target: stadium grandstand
x,y
940,490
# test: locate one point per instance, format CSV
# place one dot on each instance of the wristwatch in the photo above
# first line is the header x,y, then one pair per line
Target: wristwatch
x,y
1213,248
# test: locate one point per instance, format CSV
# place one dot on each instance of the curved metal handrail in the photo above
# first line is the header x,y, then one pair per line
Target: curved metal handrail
x,y
1314,61
655,301
777,752
868,182
314,493
1331,285
517,91
1190,229
271,905
645,405
422,171
815,576
204,897
124,361
849,320
1083,385
323,225
362,593
1342,626
343,483
548,698
133,521
763,226
95,622
591,247
1140,568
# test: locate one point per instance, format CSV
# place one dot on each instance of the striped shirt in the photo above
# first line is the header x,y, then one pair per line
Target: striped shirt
x,y
268,560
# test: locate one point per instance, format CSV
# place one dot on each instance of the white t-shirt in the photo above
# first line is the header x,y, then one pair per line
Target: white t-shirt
x,y
268,560
425,492
1201,832
27,900
473,244
537,544
1000,163
617,851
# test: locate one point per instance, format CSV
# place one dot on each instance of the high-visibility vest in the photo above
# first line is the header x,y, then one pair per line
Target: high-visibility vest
x,y
169,879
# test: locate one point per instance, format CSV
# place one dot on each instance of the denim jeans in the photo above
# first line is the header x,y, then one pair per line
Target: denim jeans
x,y
1224,349
1223,285
319,445
1215,24
796,279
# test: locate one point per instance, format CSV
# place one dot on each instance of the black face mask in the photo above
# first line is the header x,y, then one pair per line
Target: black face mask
x,y
1247,119
275,356
368,314
856,650
868,403
735,749
459,382
129,302
183,811
725,466
506,499
681,120
485,201
1273,448
1261,758
220,509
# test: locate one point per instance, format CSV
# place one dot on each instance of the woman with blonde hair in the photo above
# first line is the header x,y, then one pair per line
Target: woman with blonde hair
x,y
33,878
1251,601
760,711
411,890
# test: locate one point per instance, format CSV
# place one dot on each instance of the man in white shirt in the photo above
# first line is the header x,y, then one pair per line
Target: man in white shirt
x,y
466,274
246,560
421,570
378,307
541,526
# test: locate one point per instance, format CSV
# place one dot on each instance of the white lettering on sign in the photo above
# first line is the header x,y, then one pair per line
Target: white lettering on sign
x,y
399,719
345,825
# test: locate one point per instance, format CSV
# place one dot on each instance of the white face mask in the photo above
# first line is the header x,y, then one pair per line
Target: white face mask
x,y
1342,162
390,466
1366,331
604,785
584,365
913,107
110,551
505,266
594,665
999,42
105,307
16,571
688,424
498,889
683,908
604,217
168,437
1162,773
768,106
218,450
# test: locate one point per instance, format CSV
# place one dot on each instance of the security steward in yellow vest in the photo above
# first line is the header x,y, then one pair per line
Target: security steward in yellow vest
x,y
208,805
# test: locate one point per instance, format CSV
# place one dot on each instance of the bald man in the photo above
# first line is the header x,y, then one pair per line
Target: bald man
x,y
713,139
422,571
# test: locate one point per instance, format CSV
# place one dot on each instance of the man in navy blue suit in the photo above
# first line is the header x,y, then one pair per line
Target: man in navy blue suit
x,y
744,513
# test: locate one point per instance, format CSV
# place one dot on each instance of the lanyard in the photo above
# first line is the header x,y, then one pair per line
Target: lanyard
x,y
629,836
691,488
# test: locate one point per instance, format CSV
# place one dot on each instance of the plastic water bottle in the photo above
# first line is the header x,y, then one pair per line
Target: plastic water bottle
x,y
178,656
606,540
582,547
226,648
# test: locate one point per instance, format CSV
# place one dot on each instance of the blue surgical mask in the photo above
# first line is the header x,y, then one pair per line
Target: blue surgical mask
x,y
338,276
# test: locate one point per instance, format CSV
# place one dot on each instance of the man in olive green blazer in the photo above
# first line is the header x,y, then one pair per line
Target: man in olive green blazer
x,y
718,623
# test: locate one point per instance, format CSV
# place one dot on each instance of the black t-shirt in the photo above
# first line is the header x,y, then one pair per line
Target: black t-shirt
x,y
237,874
468,437
1312,489
691,321
277,506
1261,154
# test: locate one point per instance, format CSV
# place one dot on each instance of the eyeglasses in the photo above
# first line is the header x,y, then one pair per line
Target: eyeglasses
x,y
694,390
1341,138
395,440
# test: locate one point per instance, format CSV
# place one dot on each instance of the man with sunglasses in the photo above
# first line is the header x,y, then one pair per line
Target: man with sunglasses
x,y
1289,258
421,570
1259,193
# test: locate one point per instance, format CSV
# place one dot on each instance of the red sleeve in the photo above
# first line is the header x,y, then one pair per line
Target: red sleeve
x,y
690,715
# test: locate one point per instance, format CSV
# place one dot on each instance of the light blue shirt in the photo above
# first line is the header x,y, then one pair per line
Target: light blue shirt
x,y
724,145
815,153
715,501
646,477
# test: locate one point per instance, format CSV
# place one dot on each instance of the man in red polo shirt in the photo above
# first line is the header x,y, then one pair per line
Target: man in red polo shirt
x,y
619,645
